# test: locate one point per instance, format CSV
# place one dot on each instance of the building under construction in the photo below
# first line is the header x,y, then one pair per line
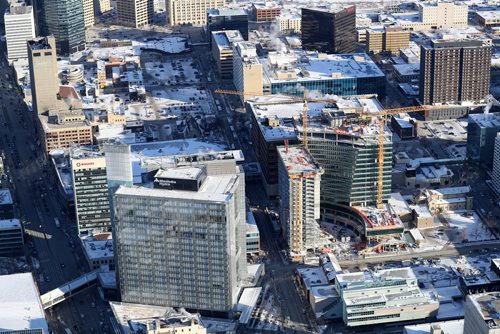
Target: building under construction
x,y
299,189
348,152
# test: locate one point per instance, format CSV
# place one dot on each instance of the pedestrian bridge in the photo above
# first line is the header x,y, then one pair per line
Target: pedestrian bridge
x,y
68,290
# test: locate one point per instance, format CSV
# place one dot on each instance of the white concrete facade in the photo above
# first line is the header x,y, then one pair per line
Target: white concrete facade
x,y
19,28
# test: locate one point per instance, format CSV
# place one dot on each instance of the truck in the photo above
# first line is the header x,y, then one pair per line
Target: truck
x,y
56,221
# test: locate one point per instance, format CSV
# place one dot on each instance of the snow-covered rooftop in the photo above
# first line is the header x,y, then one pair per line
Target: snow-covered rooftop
x,y
20,306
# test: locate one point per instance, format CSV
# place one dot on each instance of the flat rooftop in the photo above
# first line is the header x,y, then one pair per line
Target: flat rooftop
x,y
297,160
318,66
488,305
452,190
364,278
280,117
8,224
224,39
485,120
215,188
132,317
376,218
20,306
5,197
185,173
97,249
18,10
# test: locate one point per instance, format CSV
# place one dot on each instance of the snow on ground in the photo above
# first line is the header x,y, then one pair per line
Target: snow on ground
x,y
182,100
471,227
172,72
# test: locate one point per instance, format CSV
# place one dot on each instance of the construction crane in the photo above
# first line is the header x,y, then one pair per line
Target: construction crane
x,y
305,99
382,119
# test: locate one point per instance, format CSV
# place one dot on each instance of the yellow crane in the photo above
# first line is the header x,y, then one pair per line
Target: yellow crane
x,y
381,115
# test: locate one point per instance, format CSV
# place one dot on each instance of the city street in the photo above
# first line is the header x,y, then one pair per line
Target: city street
x,y
59,256
279,272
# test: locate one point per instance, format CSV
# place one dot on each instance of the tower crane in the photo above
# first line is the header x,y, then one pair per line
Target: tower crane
x,y
381,115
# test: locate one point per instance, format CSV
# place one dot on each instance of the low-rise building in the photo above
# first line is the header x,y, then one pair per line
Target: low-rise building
x,y
390,295
252,235
482,313
98,250
6,204
449,199
422,217
147,319
11,238
407,73
20,305
488,19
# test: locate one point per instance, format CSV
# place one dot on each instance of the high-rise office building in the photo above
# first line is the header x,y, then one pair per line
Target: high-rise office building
x,y
299,191
19,28
191,11
42,60
227,19
482,132
90,189
181,243
454,71
88,13
135,13
65,21
222,51
329,32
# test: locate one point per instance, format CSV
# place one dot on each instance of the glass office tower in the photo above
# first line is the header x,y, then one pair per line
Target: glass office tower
x,y
64,20
329,32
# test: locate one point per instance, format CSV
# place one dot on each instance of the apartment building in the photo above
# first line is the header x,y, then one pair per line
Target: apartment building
x,y
299,192
191,11
438,15
454,71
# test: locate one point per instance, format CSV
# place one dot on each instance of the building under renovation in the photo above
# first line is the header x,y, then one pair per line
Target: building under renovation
x,y
299,190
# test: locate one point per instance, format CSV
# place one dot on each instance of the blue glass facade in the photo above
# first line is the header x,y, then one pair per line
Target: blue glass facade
x,y
338,86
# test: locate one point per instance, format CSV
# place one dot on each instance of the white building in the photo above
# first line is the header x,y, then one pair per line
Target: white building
x,y
20,306
299,179
191,11
390,295
482,314
19,28
495,175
